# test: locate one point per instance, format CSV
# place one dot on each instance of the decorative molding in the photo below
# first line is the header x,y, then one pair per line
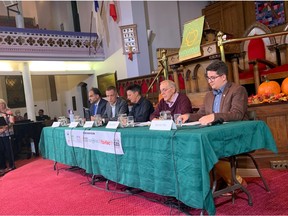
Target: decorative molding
x,y
17,43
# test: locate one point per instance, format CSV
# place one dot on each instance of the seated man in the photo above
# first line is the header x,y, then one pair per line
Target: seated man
x,y
97,103
176,103
227,101
142,107
41,116
115,106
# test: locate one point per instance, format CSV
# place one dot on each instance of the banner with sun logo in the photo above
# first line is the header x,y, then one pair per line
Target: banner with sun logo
x,y
192,36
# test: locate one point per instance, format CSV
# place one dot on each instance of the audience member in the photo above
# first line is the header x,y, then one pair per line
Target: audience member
x,y
97,103
18,116
25,116
6,136
142,107
115,106
176,103
227,101
41,116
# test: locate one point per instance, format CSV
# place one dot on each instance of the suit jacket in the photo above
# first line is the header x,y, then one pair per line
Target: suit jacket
x,y
121,108
233,106
100,109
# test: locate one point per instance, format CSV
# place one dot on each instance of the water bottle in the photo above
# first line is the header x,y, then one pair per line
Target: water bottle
x,y
71,115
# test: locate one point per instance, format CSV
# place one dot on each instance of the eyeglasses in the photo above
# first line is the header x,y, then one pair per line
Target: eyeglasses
x,y
212,78
165,89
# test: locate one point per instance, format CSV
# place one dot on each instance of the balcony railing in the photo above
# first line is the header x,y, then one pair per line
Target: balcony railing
x,y
35,44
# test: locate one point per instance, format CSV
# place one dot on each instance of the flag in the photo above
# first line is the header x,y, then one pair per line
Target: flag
x,y
113,11
96,6
99,22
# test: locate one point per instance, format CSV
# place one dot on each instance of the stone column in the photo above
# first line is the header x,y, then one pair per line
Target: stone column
x,y
27,83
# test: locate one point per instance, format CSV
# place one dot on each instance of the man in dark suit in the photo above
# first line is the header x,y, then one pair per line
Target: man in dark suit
x,y
115,106
97,103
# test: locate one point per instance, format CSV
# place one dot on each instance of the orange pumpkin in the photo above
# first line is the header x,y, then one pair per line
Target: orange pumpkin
x,y
269,87
284,86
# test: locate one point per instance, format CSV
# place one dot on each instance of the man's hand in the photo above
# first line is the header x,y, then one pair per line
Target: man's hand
x,y
207,119
184,117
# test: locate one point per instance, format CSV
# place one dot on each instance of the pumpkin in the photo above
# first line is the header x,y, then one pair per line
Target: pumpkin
x,y
284,86
269,87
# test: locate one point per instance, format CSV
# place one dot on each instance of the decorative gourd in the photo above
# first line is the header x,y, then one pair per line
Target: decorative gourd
x,y
269,87
284,86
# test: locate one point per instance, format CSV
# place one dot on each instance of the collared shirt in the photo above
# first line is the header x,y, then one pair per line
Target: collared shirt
x,y
217,99
113,109
173,99
96,107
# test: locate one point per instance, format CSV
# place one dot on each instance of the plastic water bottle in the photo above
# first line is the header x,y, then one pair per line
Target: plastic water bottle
x,y
71,115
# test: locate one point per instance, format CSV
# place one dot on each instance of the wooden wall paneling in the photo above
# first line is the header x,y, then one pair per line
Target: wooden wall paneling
x,y
276,117
279,131
213,15
232,18
249,14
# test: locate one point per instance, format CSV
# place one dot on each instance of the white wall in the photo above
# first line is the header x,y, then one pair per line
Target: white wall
x,y
164,18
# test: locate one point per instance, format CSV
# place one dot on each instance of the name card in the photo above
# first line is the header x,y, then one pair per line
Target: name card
x,y
56,124
73,124
162,125
88,124
112,124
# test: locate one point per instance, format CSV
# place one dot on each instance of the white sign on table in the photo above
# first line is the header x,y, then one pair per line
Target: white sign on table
x,y
104,141
162,125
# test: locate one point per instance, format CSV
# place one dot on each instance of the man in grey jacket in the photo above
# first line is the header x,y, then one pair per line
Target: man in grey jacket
x,y
115,106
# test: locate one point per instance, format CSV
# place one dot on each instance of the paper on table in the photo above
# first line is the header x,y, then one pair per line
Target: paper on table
x,y
142,124
191,123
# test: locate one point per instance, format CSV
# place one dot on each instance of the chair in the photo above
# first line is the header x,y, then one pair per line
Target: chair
x,y
252,116
280,71
234,162
258,55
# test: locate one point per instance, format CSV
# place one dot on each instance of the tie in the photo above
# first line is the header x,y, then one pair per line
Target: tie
x,y
95,109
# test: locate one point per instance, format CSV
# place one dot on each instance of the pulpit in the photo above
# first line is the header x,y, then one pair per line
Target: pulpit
x,y
193,70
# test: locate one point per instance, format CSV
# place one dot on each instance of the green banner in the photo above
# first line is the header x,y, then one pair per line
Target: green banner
x,y
190,47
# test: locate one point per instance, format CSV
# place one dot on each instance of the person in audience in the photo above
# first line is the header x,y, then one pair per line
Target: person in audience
x,y
176,103
6,136
18,116
142,108
227,101
97,103
25,116
115,106
41,116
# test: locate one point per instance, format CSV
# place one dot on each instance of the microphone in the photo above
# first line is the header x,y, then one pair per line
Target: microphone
x,y
217,121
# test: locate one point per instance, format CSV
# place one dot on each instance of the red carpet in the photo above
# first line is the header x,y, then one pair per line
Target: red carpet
x,y
36,189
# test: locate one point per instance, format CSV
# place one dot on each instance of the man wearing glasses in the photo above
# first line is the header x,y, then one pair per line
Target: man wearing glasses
x,y
172,101
227,101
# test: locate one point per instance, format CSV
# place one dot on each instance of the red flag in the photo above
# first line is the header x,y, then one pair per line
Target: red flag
x,y
113,12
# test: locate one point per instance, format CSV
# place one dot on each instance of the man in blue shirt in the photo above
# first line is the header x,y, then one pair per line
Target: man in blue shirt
x,y
98,104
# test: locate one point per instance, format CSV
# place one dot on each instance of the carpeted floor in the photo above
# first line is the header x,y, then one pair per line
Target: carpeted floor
x,y
36,189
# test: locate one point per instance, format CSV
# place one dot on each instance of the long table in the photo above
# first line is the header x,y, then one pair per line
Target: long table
x,y
171,163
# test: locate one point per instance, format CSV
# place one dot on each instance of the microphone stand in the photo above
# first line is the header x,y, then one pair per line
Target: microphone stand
x,y
10,139
164,68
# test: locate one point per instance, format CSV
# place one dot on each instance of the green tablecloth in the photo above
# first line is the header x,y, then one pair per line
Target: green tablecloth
x,y
172,163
